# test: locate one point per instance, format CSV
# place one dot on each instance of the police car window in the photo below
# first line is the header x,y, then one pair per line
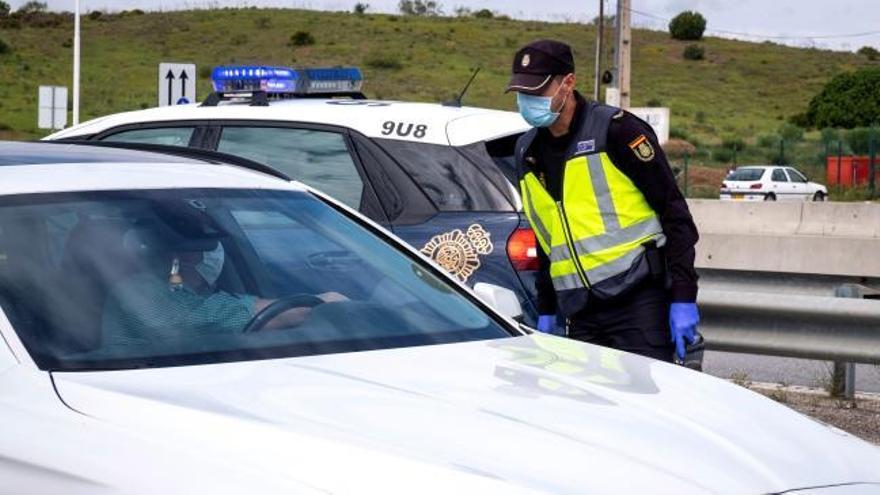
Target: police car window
x,y
171,136
795,175
318,158
448,176
779,176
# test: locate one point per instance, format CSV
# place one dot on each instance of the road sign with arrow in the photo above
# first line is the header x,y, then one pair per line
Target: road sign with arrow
x,y
177,84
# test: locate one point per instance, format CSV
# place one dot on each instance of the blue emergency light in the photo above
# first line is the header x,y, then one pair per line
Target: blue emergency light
x,y
241,78
286,81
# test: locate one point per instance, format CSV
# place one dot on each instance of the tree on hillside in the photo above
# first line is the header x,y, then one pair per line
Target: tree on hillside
x,y
32,7
419,7
688,25
4,8
849,100
361,8
869,52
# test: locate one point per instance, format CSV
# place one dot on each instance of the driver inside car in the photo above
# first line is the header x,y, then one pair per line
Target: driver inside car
x,y
183,300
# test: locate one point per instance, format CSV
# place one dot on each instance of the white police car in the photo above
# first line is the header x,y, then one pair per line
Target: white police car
x,y
115,378
770,183
438,176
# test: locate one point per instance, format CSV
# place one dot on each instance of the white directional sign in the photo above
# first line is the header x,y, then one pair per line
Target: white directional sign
x,y
658,117
177,84
52,107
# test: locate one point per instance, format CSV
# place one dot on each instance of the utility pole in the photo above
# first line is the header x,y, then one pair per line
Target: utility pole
x,y
76,64
600,27
624,48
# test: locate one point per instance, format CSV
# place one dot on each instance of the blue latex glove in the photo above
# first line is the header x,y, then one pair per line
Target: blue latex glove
x,y
683,320
546,323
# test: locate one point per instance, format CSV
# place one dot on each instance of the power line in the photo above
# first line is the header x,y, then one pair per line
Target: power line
x,y
767,36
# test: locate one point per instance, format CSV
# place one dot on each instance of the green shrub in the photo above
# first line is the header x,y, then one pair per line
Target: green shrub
x,y
301,38
484,14
829,135
383,60
654,102
733,143
95,15
678,133
361,8
722,155
32,7
419,7
768,140
791,133
869,52
859,140
694,52
849,100
4,47
688,26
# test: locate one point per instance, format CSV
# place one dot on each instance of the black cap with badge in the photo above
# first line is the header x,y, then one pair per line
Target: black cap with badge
x,y
535,64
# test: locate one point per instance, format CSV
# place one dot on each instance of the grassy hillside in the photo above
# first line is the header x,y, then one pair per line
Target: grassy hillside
x,y
740,90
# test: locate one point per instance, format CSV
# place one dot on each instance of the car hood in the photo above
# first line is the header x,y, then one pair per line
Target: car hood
x,y
534,413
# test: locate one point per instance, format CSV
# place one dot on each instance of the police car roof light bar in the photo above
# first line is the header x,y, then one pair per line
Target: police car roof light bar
x,y
283,82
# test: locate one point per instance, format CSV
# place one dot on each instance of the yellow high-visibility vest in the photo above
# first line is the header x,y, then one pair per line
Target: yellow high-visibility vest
x,y
596,235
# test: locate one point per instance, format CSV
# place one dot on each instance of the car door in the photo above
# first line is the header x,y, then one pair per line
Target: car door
x,y
799,184
780,185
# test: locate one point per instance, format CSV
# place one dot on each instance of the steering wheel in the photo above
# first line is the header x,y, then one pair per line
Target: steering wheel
x,y
270,312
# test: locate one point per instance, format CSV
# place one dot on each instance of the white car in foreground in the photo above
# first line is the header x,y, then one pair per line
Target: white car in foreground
x,y
128,364
770,183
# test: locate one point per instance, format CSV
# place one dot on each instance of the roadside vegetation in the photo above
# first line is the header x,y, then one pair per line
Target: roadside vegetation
x,y
732,102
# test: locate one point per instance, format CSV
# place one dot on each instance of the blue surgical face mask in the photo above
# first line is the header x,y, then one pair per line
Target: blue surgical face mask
x,y
212,264
538,110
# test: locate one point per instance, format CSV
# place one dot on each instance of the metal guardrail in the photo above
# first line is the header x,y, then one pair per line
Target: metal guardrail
x,y
790,279
812,327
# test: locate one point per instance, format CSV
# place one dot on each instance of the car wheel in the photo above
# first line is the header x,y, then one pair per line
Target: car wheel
x,y
770,197
819,196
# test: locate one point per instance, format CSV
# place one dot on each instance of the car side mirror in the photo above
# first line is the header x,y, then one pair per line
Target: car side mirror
x,y
501,299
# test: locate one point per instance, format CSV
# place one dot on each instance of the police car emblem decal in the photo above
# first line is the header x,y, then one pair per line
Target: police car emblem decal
x,y
526,60
459,252
642,149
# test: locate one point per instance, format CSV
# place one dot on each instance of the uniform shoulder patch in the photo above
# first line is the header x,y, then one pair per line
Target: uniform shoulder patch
x,y
642,148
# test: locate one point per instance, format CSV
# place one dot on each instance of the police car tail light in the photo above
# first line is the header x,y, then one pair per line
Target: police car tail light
x,y
522,249
280,81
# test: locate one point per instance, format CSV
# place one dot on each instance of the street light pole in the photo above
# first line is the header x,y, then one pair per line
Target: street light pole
x,y
600,26
76,64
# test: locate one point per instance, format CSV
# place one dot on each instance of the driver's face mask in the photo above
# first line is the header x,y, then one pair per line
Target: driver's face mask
x,y
212,264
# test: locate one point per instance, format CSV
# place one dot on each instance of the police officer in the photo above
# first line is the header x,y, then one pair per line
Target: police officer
x,y
616,237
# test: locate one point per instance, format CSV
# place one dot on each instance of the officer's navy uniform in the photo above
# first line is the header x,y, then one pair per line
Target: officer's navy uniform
x,y
629,311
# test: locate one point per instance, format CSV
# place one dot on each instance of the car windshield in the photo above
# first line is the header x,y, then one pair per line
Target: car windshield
x,y
746,174
116,280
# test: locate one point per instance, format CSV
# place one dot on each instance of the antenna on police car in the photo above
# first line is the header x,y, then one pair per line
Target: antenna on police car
x,y
457,101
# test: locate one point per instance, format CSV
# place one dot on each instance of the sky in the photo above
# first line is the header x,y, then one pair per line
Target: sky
x,y
837,24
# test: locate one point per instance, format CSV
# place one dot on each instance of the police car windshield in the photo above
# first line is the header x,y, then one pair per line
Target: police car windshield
x,y
116,280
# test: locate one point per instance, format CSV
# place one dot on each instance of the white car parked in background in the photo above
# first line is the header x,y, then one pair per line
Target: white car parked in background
x,y
770,183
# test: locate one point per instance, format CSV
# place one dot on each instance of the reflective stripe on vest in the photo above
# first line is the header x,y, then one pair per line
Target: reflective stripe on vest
x,y
599,227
